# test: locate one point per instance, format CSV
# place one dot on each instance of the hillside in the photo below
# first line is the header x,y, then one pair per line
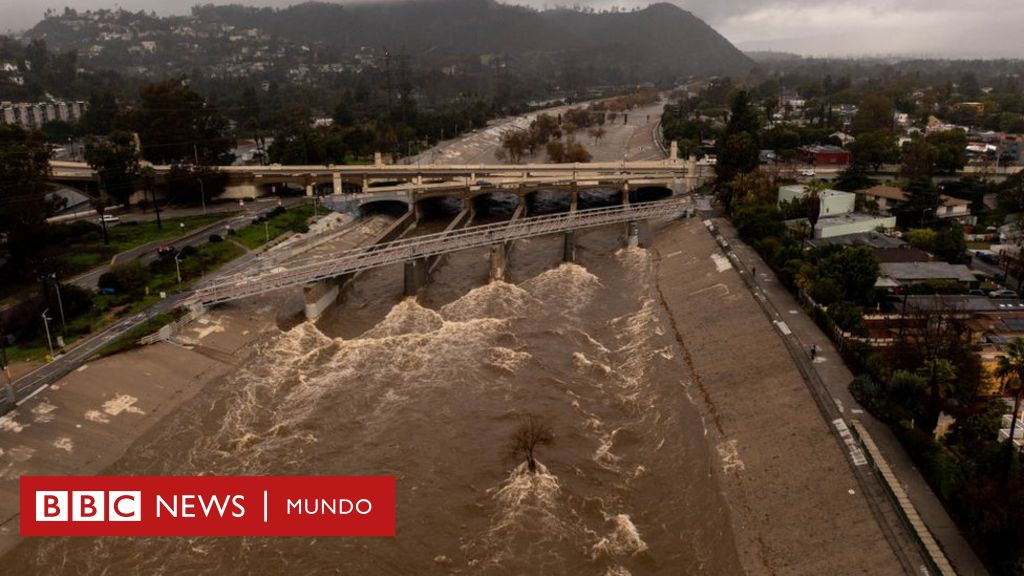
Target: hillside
x,y
660,43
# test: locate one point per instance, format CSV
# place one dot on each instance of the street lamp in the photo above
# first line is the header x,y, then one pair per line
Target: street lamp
x,y
9,383
177,267
46,325
60,305
202,193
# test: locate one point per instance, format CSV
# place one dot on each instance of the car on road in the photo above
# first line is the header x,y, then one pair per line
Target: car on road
x,y
977,292
809,172
1002,294
109,219
166,250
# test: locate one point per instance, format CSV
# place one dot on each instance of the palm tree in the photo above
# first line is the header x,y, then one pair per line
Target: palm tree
x,y
1011,371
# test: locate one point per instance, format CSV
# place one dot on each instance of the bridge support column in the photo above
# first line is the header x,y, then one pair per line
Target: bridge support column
x,y
336,182
415,276
625,194
574,197
569,247
499,263
319,296
309,189
632,234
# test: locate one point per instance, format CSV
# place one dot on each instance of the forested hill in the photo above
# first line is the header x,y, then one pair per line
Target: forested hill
x,y
659,43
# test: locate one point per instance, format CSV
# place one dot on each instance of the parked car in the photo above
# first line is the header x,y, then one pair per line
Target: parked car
x,y
809,172
977,292
1002,294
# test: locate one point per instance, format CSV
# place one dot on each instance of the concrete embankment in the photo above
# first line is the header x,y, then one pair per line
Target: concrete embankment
x,y
88,419
795,505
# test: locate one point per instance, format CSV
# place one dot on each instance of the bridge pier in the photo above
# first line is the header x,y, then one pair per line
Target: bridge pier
x,y
499,263
569,247
625,194
309,189
319,296
415,276
336,182
632,234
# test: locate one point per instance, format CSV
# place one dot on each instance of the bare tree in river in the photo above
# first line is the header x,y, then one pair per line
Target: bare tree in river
x,y
531,434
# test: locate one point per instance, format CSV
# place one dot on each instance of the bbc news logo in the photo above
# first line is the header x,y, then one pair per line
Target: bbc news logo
x,y
88,506
207,506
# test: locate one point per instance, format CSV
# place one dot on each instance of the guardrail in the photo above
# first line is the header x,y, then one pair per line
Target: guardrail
x,y
167,331
356,260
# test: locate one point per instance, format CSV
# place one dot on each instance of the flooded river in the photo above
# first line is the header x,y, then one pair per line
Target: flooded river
x,y
430,391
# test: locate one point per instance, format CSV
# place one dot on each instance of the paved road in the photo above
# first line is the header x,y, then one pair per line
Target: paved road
x,y
31,383
832,371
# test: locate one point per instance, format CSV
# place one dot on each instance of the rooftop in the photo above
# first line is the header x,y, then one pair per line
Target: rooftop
x,y
911,271
872,239
887,192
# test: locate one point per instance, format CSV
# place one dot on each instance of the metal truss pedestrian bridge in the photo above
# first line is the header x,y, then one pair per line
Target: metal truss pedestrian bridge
x,y
312,269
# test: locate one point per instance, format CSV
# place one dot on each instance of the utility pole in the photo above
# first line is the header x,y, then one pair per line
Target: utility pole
x,y
266,231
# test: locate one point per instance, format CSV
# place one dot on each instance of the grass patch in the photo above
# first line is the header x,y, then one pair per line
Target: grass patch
x,y
79,245
130,339
292,220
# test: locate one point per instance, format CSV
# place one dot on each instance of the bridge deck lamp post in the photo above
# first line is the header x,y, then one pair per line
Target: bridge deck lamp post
x,y
46,325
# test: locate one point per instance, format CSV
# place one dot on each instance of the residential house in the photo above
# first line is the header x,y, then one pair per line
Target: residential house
x,y
888,199
824,155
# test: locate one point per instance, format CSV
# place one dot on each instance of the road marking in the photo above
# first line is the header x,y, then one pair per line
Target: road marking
x,y
783,327
673,254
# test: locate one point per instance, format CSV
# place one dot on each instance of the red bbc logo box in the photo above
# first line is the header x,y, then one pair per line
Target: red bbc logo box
x,y
207,506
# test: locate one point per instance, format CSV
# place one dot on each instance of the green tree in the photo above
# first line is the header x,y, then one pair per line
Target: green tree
x,y
24,169
875,114
1010,371
100,113
949,245
116,162
739,148
949,150
874,149
176,124
855,269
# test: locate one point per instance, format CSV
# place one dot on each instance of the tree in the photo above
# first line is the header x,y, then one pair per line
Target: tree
x,y
739,148
874,149
556,151
949,150
855,269
874,114
186,184
24,169
176,124
1010,371
100,112
116,162
576,152
531,435
515,144
950,245
597,133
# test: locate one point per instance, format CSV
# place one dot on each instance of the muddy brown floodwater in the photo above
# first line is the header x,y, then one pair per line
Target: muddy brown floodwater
x,y
430,391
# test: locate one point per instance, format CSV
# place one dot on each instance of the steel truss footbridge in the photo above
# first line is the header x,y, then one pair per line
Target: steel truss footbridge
x,y
312,269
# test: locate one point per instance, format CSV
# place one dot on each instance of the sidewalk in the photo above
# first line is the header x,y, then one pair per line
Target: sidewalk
x,y
833,372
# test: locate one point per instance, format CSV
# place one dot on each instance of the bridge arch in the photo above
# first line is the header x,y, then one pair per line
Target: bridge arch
x,y
391,206
649,194
548,201
437,207
599,197
497,203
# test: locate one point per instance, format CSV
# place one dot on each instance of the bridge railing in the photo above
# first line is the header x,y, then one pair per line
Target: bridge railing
x,y
355,260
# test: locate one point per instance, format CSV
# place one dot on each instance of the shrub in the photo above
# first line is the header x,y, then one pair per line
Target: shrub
x,y
129,279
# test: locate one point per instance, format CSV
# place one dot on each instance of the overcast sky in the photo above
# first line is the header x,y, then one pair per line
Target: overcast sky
x,y
966,28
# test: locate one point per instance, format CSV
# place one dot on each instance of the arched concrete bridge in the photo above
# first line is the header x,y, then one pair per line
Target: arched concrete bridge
x,y
419,181
316,271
